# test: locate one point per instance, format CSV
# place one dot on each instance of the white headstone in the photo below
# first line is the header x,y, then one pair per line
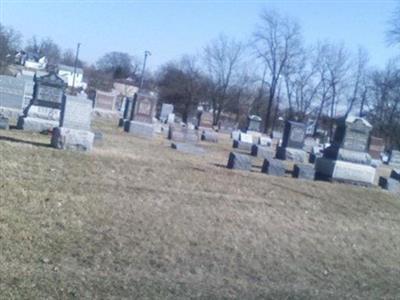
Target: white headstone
x,y
77,113
246,138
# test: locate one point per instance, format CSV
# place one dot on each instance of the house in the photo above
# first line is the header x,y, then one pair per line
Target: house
x,y
33,61
67,74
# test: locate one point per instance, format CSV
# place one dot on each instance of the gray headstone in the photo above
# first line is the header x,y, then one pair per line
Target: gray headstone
x,y
4,123
254,123
294,135
12,92
166,109
209,136
242,145
188,148
72,139
306,172
145,107
77,113
239,162
141,129
395,174
182,134
273,167
262,152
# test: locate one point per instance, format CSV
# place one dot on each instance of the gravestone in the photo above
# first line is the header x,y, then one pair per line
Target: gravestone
x,y
142,115
376,147
394,159
254,123
390,184
235,135
4,123
105,101
273,167
265,141
171,118
262,152
293,143
166,110
75,125
303,171
182,134
239,162
206,120
12,95
44,111
209,136
188,148
347,160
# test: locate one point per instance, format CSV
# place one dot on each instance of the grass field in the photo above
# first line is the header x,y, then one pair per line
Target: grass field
x,y
137,220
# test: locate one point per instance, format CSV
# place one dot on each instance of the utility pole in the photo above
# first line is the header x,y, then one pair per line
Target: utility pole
x,y
146,53
75,65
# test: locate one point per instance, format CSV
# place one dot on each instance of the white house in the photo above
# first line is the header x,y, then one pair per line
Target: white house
x,y
67,74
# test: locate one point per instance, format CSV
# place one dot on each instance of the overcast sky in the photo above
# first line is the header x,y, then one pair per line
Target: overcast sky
x,y
172,28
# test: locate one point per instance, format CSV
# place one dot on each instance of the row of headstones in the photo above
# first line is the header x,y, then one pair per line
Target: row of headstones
x,y
345,160
68,117
270,166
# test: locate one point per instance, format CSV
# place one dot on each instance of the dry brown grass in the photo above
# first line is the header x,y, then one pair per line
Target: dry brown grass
x,y
137,220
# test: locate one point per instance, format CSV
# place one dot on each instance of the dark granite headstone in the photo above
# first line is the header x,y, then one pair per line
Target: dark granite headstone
x,y
239,161
294,135
304,172
49,91
395,174
254,123
273,167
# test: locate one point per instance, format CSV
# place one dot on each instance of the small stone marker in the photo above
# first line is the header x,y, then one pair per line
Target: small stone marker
x,y
235,135
239,162
395,159
302,171
187,148
4,123
395,174
273,167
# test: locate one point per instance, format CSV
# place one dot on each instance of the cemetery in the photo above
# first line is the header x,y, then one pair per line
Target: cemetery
x,y
262,170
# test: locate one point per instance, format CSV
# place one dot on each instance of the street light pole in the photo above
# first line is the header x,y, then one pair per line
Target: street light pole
x,y
75,65
146,53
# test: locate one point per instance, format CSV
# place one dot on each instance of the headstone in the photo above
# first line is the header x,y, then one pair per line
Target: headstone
x,y
390,184
376,147
302,171
347,160
4,123
265,141
44,111
129,105
206,120
209,136
106,101
316,152
293,143
246,138
171,118
239,162
395,174
142,115
395,159
182,134
166,110
273,167
242,146
254,123
77,113
188,148
75,125
12,93
262,152
235,135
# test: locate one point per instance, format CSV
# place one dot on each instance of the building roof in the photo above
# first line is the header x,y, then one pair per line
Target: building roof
x,y
70,69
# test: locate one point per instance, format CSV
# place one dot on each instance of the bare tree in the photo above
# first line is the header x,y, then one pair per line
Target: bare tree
x,y
9,42
223,61
46,47
277,42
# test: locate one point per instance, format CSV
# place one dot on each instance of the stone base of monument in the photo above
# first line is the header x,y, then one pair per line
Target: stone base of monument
x,y
291,154
36,124
262,152
242,145
390,184
343,171
306,172
209,136
188,148
273,167
239,162
72,139
140,129
4,123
